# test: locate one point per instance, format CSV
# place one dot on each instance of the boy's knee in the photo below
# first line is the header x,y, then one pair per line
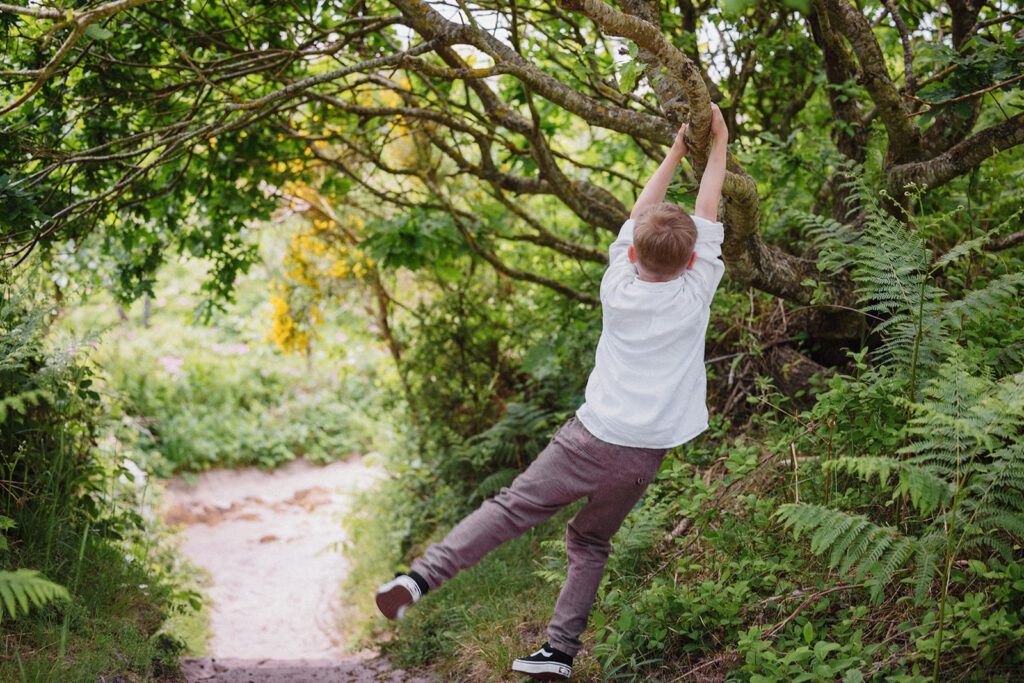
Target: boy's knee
x,y
586,543
519,510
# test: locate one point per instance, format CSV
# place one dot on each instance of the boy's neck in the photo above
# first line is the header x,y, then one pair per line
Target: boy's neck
x,y
647,277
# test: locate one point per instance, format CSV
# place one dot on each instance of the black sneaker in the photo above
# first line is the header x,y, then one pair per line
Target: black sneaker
x,y
546,664
395,596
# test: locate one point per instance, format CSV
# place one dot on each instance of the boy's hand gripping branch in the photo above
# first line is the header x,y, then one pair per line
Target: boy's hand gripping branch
x,y
710,193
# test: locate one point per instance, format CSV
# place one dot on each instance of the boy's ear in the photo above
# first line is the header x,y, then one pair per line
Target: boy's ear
x,y
632,254
693,259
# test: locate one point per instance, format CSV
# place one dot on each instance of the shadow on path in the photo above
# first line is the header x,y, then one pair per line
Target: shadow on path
x,y
356,668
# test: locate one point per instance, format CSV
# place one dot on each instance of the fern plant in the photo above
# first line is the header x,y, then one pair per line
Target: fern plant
x,y
895,273
960,458
22,587
506,446
854,542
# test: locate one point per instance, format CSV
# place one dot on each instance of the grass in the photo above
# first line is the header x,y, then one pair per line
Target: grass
x,y
107,631
192,627
476,624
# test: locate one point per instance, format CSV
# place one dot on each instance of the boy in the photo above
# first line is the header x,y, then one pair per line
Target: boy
x,y
646,394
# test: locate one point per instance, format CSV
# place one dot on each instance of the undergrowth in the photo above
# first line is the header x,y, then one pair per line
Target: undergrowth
x,y
869,531
62,504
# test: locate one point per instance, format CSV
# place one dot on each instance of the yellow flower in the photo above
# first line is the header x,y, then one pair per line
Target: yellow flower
x,y
284,332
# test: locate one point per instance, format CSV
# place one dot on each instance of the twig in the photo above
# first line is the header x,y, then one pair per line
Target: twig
x,y
811,598
961,98
796,474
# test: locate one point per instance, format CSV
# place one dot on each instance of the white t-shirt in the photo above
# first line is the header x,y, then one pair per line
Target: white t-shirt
x,y
648,387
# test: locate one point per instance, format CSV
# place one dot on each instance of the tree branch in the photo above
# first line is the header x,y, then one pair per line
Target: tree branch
x,y
903,133
959,158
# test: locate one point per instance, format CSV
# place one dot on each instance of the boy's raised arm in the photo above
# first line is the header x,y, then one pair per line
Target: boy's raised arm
x,y
654,190
710,192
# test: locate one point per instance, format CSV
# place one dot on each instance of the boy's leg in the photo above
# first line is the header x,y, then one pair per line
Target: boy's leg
x,y
547,485
588,545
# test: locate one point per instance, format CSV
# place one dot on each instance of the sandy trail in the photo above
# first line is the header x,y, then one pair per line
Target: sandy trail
x,y
271,542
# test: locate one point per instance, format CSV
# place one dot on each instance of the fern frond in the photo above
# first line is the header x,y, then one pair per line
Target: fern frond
x,y
858,530
997,295
20,587
1010,521
865,467
826,535
926,487
857,552
493,483
873,549
960,250
898,555
995,543
516,437
926,559
869,563
20,402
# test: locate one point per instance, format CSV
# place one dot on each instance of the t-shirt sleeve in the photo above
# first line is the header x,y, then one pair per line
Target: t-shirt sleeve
x,y
619,266
708,267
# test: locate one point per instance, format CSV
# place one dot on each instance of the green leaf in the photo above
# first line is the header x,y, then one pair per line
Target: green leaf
x,y
630,74
823,647
98,32
853,676
735,7
808,633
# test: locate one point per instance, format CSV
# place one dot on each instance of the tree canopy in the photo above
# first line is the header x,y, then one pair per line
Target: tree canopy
x,y
523,129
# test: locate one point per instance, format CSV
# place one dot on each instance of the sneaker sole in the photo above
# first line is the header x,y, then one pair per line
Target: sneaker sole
x,y
543,672
391,601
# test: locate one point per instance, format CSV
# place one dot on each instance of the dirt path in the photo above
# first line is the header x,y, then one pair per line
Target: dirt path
x,y
271,543
361,668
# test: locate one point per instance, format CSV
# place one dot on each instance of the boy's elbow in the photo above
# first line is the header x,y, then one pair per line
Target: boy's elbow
x,y
706,210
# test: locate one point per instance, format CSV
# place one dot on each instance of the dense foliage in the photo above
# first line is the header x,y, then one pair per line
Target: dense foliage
x,y
446,176
67,518
205,400
901,479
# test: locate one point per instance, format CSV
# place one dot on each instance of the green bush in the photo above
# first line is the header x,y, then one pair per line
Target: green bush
x,y
199,402
60,518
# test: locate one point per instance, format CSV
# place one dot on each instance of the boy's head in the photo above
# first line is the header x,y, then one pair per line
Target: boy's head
x,y
663,239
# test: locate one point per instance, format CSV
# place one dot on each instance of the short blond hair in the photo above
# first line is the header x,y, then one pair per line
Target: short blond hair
x,y
663,238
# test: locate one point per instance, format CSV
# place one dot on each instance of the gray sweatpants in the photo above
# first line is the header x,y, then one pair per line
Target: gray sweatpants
x,y
573,465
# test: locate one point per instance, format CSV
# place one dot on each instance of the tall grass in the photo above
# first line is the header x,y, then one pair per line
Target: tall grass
x,y
58,501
